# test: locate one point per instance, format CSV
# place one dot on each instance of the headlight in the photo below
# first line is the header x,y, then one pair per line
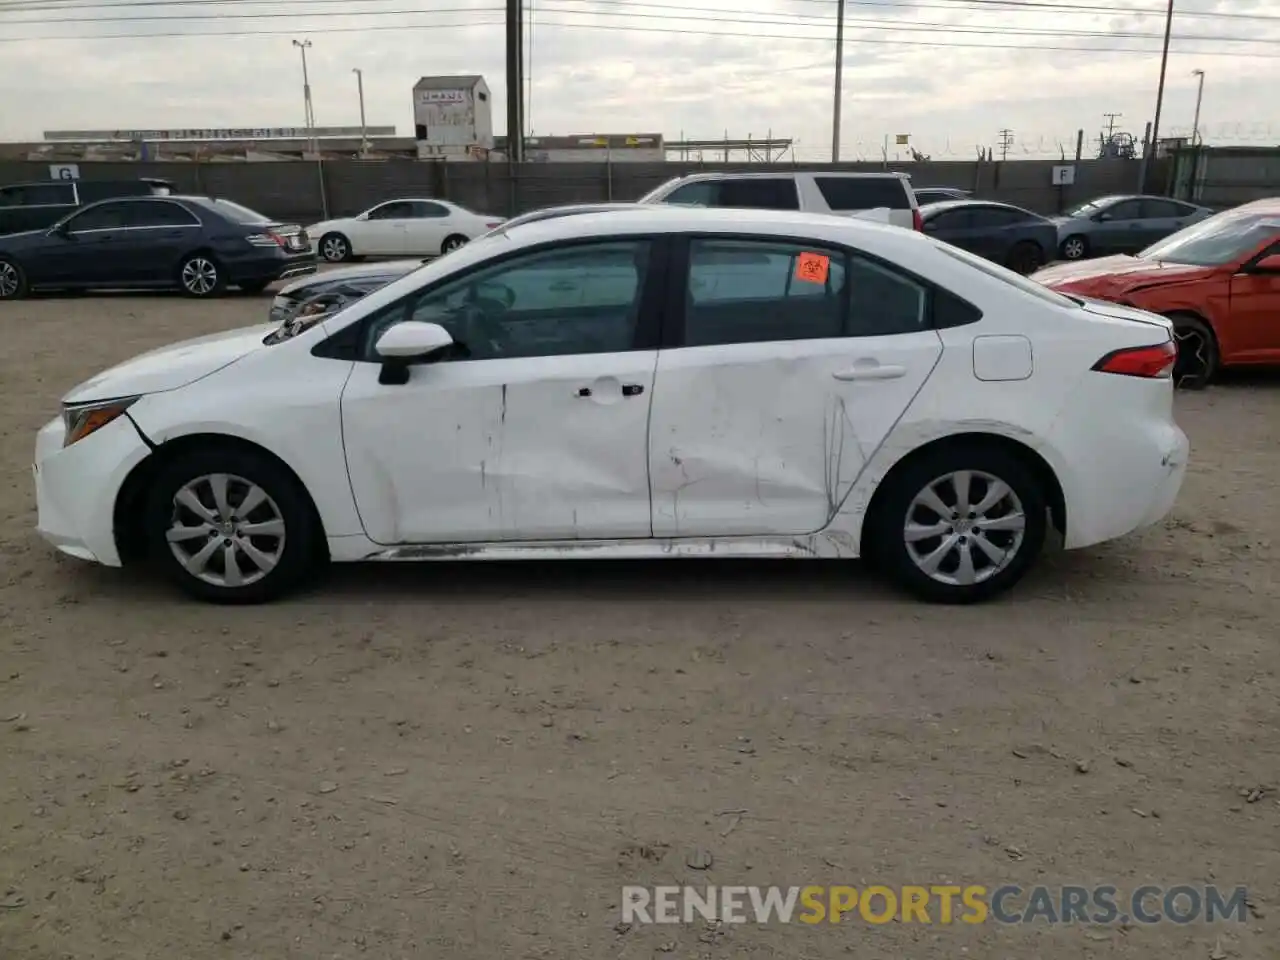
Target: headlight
x,y
82,419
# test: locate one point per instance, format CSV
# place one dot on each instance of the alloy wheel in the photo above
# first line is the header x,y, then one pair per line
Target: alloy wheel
x,y
226,530
1073,249
9,280
453,243
964,527
199,276
334,249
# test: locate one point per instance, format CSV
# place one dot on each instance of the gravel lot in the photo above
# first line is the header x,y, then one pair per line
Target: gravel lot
x,y
469,761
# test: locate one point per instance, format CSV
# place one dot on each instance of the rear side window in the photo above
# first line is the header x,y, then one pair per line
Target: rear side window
x,y
145,213
884,302
238,214
991,217
745,291
863,193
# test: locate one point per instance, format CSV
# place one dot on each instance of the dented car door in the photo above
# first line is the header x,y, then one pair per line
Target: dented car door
x,y
782,385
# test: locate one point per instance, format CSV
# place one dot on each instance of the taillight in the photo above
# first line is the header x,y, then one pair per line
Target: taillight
x,y
268,239
917,221
493,224
1154,362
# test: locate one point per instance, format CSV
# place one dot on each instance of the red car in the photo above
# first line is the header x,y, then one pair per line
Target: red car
x,y
1218,281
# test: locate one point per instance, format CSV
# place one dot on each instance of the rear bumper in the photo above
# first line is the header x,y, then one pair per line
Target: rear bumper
x,y
77,486
270,267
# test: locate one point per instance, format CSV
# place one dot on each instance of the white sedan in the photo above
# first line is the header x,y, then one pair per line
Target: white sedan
x,y
399,228
656,383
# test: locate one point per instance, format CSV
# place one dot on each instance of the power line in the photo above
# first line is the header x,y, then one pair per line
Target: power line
x,y
684,13
811,38
997,6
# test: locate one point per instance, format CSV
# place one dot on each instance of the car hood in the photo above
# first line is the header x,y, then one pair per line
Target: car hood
x,y
1117,273
387,268
171,367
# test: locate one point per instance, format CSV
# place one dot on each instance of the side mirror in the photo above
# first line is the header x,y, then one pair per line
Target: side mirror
x,y
1101,217
1268,264
405,343
60,229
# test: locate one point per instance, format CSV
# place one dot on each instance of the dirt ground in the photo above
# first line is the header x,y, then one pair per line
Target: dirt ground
x,y
470,761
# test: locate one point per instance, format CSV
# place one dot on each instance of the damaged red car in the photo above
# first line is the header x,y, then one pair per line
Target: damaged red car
x,y
1218,281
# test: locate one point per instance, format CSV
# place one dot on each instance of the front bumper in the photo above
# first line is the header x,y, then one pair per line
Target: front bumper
x,y
77,486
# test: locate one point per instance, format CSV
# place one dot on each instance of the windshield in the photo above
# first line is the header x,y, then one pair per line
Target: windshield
x,y
1220,240
1093,206
1024,284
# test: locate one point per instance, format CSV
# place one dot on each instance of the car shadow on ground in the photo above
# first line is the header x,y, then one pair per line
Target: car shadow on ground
x,y
724,581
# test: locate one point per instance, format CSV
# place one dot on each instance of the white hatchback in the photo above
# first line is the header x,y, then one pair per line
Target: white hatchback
x,y
654,383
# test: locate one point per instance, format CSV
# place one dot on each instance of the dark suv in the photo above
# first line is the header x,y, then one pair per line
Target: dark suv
x,y
33,206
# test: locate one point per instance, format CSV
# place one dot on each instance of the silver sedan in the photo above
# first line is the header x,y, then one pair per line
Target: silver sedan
x,y
1122,224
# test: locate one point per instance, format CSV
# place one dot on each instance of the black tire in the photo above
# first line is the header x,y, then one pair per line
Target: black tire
x,y
1075,247
335,248
1025,258
452,242
295,551
13,280
201,276
887,542
253,286
1198,358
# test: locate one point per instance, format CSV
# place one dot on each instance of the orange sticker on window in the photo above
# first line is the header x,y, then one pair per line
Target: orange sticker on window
x,y
812,267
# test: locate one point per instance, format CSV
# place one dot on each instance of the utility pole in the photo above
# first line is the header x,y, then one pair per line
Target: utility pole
x,y
835,113
304,46
364,140
515,81
1006,141
1195,124
1155,124
1111,119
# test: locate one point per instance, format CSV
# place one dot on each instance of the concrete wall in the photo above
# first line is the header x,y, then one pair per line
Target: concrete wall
x,y
1226,176
301,191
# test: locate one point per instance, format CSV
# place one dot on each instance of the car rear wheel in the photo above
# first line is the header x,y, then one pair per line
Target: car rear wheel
x,y
453,242
960,525
1025,258
13,281
1075,247
201,276
335,248
231,526
1198,357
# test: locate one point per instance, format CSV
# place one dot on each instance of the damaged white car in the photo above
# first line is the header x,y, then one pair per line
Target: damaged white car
x,y
653,383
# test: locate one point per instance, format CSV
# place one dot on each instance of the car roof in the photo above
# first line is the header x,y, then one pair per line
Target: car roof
x,y
968,202
663,218
790,172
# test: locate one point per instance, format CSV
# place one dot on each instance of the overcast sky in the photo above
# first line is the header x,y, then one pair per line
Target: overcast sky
x,y
623,66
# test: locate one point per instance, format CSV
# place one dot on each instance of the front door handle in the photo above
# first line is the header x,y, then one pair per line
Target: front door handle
x,y
584,392
632,389
871,371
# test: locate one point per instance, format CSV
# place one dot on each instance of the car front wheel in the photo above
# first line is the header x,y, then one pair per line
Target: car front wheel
x,y
1075,247
960,525
335,248
231,526
201,276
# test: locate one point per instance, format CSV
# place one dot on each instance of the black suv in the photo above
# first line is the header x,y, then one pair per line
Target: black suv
x,y
199,245
32,206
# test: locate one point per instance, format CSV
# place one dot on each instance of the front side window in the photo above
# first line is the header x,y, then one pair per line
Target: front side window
x,y
579,299
105,216
759,193
1126,210
702,193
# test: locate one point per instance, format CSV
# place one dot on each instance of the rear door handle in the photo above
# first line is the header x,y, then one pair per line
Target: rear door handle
x,y
871,371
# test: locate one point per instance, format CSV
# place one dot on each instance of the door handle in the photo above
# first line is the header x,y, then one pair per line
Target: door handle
x,y
632,389
562,286
583,392
871,371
